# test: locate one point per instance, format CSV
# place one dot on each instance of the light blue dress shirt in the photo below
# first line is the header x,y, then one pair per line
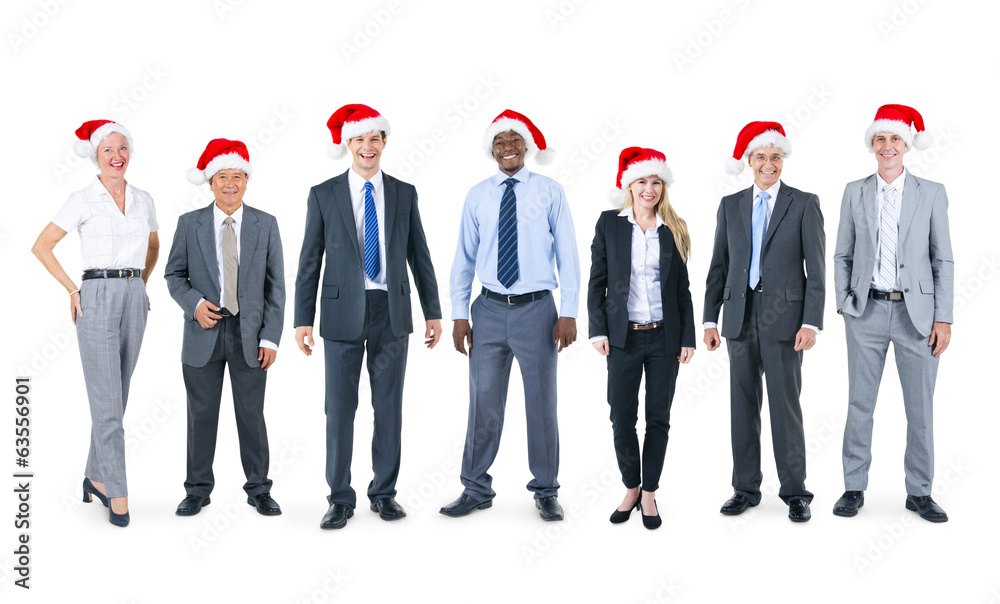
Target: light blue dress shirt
x,y
546,241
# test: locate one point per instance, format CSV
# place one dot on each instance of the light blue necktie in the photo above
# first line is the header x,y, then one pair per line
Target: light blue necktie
x,y
507,271
372,263
759,228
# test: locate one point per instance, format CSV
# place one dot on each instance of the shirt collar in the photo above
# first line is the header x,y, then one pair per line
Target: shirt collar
x,y
772,191
98,187
627,213
521,175
219,216
896,184
357,182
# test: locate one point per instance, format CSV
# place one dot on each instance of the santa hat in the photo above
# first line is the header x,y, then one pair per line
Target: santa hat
x,y
220,154
753,136
93,132
350,121
635,163
897,119
533,139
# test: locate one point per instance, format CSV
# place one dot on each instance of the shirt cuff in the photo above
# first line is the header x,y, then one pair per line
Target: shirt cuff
x,y
596,339
710,325
268,344
815,329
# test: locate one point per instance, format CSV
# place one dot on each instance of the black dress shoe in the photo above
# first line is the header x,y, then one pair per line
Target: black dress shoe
x,y
798,510
617,517
118,519
89,489
926,507
736,505
336,517
388,509
464,505
651,522
264,504
549,508
849,503
191,505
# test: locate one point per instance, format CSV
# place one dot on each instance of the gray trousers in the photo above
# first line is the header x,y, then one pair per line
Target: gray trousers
x,y
386,370
868,338
502,333
751,356
110,335
204,397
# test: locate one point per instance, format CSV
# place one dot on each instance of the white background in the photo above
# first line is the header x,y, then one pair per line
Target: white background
x,y
679,77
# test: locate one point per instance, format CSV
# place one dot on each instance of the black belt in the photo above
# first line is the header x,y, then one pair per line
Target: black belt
x,y
514,299
892,296
225,313
760,287
644,326
126,273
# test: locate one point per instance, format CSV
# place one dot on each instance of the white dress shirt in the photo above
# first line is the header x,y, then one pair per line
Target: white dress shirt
x,y
109,238
773,192
879,199
219,225
356,183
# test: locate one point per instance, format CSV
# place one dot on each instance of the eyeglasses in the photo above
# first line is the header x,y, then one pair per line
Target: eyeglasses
x,y
777,158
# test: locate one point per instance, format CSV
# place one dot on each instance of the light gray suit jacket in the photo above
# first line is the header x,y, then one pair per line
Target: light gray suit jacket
x,y
792,265
926,268
192,273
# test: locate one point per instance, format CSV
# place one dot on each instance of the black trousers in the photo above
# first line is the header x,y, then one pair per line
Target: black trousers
x,y
386,369
750,357
643,351
204,396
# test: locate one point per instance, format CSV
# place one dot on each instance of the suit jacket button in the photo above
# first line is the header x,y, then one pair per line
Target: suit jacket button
x,y
900,266
906,291
743,295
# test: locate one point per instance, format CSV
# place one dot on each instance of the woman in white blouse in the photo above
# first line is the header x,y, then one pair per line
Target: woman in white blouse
x,y
119,244
641,318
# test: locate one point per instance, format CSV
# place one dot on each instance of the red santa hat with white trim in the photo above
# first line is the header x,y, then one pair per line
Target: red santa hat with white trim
x,y
220,154
350,121
753,136
534,141
897,120
93,132
635,163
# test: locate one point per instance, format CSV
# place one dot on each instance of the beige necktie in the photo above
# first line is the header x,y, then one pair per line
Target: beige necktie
x,y
230,266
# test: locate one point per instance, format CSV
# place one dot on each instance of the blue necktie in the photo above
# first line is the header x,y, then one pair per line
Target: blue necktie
x,y
507,272
372,264
759,227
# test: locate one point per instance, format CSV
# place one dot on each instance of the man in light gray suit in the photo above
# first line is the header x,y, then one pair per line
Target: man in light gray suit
x,y
767,272
226,271
894,275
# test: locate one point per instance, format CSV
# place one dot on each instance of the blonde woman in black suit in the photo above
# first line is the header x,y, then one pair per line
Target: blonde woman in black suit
x,y
641,318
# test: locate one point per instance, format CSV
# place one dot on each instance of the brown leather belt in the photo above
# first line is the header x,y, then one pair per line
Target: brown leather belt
x,y
645,326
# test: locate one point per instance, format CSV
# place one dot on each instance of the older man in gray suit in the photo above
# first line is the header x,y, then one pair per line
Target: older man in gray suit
x,y
894,275
767,272
226,271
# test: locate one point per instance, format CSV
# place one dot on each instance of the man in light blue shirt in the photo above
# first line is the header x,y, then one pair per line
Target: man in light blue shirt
x,y
516,230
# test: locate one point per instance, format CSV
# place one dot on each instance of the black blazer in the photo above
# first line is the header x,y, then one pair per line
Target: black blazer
x,y
610,273
330,228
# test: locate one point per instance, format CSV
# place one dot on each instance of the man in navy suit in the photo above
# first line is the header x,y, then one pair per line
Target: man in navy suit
x,y
767,272
226,271
367,225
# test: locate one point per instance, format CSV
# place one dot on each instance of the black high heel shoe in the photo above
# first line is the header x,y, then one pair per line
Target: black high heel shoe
x,y
89,489
651,522
617,517
117,519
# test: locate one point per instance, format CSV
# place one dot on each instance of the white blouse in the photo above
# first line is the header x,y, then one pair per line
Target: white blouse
x,y
108,238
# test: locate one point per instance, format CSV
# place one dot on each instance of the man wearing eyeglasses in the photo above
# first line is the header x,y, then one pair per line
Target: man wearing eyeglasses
x,y
767,272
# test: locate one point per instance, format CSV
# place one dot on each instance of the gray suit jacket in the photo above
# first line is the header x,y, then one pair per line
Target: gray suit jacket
x,y
926,268
192,273
331,228
792,265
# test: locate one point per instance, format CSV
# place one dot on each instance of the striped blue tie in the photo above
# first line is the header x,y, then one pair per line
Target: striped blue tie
x,y
372,264
507,272
759,224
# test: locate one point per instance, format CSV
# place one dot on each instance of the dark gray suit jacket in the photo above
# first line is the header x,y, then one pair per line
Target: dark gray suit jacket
x,y
792,265
331,228
610,273
192,273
